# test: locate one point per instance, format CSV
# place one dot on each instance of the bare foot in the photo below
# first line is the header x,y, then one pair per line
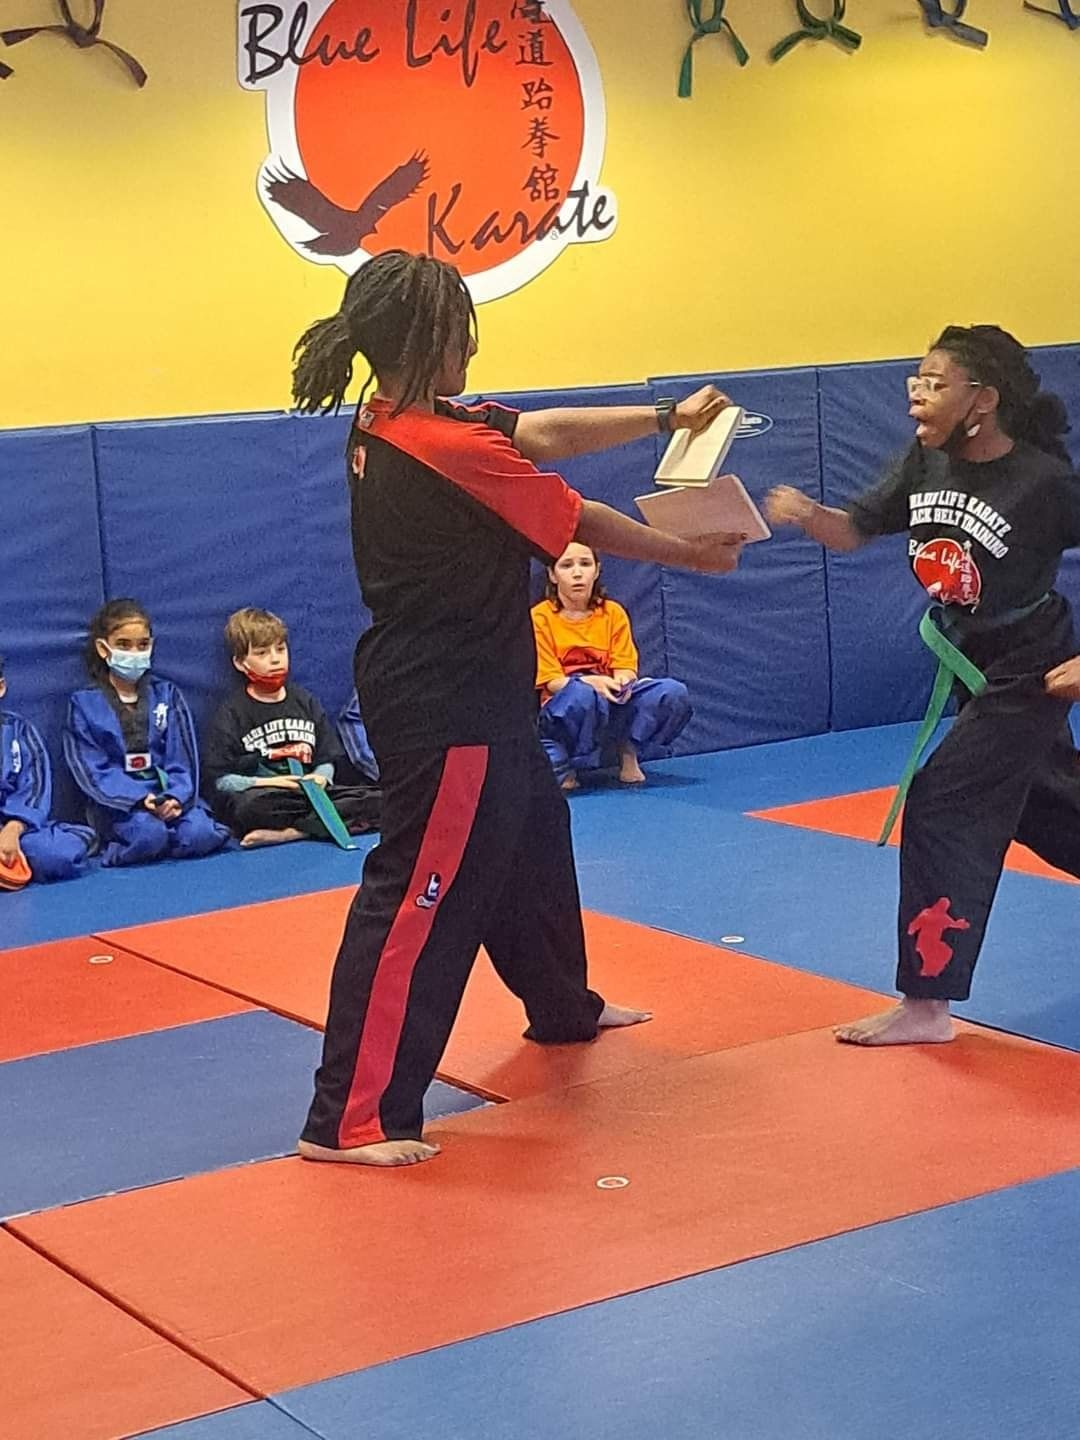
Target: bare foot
x,y
615,1017
570,782
912,1022
255,838
630,772
387,1152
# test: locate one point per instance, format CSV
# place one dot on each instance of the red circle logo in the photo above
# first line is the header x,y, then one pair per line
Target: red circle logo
x,y
471,130
948,572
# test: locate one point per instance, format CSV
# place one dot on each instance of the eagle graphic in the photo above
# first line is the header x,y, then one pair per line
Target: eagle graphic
x,y
341,231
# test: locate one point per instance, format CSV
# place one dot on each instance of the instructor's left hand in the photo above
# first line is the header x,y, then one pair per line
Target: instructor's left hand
x,y
698,411
1063,682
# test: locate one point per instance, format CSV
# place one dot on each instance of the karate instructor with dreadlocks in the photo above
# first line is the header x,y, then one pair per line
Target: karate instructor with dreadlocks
x,y
447,509
990,501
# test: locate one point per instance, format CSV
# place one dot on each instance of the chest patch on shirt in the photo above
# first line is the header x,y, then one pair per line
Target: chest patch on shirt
x,y
136,763
16,757
948,572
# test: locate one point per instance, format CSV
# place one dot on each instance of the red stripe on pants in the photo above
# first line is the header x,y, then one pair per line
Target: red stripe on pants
x,y
445,837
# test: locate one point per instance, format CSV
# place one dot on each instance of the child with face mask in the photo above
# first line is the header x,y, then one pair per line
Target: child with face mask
x,y
32,847
130,745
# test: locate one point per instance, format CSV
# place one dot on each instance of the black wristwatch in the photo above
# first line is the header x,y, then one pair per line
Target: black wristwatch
x,y
665,414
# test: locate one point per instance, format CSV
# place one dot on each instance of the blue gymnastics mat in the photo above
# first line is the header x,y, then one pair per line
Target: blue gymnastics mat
x,y
962,1322
137,1111
259,1421
171,889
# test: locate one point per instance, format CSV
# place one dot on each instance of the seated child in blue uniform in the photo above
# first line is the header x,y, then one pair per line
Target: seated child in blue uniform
x,y
130,745
268,734
586,673
354,737
32,847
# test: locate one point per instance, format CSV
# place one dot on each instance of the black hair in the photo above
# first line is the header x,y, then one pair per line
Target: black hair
x,y
110,617
994,357
404,313
597,595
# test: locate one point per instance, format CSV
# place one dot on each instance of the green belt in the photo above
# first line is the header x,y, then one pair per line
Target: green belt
x,y
324,808
953,665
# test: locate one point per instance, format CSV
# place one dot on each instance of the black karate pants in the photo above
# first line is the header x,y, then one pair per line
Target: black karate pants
x,y
475,849
1007,770
268,807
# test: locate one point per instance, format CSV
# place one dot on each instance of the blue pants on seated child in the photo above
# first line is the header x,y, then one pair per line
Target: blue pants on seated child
x,y
578,725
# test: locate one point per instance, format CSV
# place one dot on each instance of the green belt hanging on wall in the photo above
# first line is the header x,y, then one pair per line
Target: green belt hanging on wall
x,y
1065,13
702,27
814,28
84,36
938,18
953,665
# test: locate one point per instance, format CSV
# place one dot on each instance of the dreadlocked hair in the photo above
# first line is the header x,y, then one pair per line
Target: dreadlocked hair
x,y
994,357
109,618
404,313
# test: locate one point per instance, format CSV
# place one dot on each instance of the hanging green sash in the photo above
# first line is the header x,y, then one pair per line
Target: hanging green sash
x,y
815,28
324,808
953,665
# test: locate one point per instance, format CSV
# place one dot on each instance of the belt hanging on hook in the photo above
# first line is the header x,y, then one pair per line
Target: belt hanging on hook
x,y
815,28
84,36
714,25
938,18
1065,13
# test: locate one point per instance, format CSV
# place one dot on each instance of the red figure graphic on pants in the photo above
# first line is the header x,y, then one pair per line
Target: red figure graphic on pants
x,y
928,927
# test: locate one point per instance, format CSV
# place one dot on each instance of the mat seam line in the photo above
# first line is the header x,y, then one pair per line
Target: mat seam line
x,y
187,1347
470,1088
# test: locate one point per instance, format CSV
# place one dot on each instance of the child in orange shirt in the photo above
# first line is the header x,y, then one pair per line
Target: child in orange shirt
x,y
586,672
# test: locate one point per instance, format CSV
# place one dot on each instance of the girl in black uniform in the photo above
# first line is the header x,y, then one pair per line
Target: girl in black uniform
x,y
447,509
990,501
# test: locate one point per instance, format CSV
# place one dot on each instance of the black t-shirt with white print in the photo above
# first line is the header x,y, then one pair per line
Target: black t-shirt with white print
x,y
984,536
247,734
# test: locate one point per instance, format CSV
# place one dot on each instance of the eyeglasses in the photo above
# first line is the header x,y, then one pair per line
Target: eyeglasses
x,y
920,386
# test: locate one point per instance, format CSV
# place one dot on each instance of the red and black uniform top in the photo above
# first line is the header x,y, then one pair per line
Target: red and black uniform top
x,y
446,515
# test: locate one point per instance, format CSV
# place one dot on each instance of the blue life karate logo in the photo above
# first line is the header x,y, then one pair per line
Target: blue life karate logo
x,y
470,130
754,424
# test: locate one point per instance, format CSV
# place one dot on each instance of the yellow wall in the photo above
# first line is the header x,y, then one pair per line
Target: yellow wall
x,y
831,207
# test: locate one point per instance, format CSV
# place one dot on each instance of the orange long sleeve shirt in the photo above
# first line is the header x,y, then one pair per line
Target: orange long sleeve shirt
x,y
600,644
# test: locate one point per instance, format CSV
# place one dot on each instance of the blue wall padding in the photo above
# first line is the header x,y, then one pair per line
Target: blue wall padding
x,y
753,646
50,577
198,517
201,518
1059,371
881,672
615,477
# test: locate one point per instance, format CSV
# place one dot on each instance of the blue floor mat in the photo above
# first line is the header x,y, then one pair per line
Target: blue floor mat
x,y
137,1111
169,889
260,1421
962,1322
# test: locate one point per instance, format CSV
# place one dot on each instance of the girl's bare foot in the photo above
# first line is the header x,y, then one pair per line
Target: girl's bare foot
x,y
615,1017
570,782
630,772
912,1022
254,838
386,1152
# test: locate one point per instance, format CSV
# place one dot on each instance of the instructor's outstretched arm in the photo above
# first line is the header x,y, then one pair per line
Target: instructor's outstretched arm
x,y
602,528
561,434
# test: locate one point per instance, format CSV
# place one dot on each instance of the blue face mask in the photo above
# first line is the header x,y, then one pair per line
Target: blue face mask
x,y
130,665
